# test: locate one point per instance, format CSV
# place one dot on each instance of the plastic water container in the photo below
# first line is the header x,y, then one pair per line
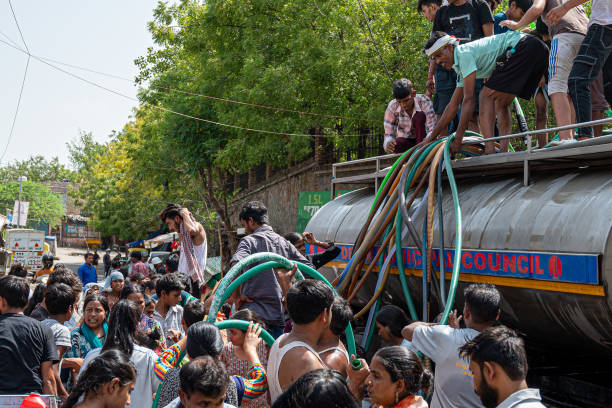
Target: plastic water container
x,y
33,401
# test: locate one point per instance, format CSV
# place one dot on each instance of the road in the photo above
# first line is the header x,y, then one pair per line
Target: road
x,y
74,257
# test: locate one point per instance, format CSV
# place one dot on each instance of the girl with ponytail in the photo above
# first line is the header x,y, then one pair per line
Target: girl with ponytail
x,y
396,376
122,327
107,382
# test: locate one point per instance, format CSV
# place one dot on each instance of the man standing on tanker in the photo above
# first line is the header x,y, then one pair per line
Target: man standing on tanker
x,y
262,293
513,62
192,260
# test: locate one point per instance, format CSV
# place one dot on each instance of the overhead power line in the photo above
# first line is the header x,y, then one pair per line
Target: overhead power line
x,y
10,136
216,98
23,81
365,18
9,39
18,28
160,108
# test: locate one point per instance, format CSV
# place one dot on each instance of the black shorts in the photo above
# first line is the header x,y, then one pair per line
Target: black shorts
x,y
520,74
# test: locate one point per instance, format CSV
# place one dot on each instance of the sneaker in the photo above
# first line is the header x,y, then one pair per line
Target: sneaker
x,y
563,142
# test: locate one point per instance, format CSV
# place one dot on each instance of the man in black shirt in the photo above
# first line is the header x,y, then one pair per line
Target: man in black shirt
x,y
467,20
26,346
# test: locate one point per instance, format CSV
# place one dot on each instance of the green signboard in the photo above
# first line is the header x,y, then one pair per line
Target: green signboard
x,y
309,204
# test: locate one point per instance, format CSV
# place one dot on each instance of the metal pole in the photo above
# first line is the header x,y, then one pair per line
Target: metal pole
x,y
19,207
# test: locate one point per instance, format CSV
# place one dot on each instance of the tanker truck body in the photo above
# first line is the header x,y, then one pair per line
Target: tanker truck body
x,y
546,246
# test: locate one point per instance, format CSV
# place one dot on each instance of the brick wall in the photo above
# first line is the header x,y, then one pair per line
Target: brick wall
x,y
280,193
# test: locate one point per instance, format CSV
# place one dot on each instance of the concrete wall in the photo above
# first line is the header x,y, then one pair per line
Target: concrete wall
x,y
280,193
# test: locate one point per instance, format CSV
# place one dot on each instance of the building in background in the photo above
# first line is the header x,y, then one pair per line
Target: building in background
x,y
74,230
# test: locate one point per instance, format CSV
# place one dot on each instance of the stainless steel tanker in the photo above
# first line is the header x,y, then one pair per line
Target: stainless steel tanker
x,y
547,246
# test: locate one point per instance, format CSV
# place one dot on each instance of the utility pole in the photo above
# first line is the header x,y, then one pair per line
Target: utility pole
x,y
21,180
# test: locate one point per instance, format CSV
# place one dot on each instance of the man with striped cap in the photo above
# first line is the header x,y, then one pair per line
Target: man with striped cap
x,y
513,63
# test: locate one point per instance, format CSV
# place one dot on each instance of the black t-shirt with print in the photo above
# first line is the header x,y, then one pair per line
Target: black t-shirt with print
x,y
24,344
464,22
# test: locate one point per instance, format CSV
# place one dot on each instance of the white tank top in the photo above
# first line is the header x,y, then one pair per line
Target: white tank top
x,y
340,349
274,361
200,255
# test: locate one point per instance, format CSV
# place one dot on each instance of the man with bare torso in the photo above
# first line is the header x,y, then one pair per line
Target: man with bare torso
x,y
192,261
294,354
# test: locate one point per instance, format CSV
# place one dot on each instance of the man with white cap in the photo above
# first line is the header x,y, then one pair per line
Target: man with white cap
x,y
158,266
513,63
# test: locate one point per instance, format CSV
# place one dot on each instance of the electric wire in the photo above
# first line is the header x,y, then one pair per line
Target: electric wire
x,y
365,18
18,27
164,109
23,81
10,136
216,98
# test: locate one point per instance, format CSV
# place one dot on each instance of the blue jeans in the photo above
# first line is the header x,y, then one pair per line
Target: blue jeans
x,y
276,331
446,82
592,56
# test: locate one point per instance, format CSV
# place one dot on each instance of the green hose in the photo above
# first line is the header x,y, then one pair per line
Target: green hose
x,y
281,262
376,306
244,325
391,170
458,232
237,268
458,242
225,324
398,231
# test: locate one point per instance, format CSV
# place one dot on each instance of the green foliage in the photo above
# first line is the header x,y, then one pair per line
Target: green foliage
x,y
44,205
126,182
36,168
313,56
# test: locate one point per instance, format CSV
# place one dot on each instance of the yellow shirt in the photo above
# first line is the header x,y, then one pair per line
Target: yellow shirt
x,y
43,272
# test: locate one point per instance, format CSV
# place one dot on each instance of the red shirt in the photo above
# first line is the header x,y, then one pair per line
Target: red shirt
x,y
139,267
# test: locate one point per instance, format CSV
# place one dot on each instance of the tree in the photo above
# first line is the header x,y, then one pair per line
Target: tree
x,y
44,205
36,168
313,56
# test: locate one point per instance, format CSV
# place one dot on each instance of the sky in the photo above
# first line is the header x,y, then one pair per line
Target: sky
x,y
105,36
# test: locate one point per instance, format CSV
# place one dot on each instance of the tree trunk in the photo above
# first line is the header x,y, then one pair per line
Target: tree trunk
x,y
252,178
219,203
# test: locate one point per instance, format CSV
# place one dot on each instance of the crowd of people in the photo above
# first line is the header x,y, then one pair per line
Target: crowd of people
x,y
145,341
137,334
481,61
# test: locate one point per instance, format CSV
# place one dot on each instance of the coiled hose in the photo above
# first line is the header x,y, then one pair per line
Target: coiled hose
x,y
230,283
429,162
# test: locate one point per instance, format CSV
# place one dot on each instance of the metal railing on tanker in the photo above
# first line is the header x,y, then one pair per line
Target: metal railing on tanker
x,y
379,164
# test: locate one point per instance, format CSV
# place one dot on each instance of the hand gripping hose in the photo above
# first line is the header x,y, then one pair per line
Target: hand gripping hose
x,y
280,262
225,324
244,325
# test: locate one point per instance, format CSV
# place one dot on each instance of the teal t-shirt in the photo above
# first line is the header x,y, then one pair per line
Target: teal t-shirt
x,y
480,55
